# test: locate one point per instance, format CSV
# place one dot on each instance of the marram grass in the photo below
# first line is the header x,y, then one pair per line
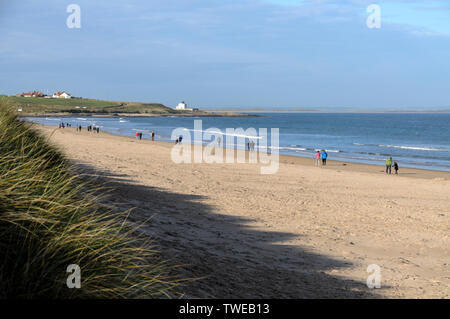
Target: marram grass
x,y
50,219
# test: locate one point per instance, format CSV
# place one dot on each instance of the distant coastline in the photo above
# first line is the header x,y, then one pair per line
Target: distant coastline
x,y
328,111
37,106
103,115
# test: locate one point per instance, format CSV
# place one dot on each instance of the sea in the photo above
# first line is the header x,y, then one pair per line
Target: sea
x,y
417,140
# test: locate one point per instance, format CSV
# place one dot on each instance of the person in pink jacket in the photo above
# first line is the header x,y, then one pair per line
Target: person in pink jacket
x,y
318,158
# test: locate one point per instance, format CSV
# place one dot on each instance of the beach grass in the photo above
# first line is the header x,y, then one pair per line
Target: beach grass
x,y
51,218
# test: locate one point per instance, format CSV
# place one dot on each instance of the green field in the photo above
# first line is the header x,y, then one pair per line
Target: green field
x,y
41,106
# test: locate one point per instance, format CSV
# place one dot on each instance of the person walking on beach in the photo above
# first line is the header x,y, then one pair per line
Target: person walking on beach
x,y
318,158
153,136
219,140
140,136
137,135
396,168
389,165
324,156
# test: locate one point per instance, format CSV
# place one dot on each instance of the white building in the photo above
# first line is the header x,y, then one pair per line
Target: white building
x,y
181,106
61,95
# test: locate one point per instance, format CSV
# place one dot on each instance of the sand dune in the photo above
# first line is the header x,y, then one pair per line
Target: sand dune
x,y
304,232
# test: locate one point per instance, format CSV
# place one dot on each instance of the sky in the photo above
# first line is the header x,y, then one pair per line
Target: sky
x,y
306,54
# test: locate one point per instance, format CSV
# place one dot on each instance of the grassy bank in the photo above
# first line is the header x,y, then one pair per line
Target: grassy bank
x,y
40,106
50,219
35,106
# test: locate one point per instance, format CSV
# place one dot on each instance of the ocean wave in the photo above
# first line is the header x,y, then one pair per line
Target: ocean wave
x,y
293,148
286,148
406,147
226,134
416,148
321,149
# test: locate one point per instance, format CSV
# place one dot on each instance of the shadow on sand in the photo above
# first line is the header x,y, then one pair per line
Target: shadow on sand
x,y
233,259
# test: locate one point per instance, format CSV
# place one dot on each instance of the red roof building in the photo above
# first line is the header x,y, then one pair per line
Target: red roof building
x,y
31,94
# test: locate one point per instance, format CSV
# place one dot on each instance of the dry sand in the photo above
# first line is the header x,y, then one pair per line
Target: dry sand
x,y
304,232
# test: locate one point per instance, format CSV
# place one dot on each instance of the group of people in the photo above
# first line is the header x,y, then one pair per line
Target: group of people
x,y
63,125
390,164
321,156
139,135
321,159
91,128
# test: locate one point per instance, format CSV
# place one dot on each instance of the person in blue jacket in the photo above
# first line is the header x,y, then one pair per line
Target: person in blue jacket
x,y
324,156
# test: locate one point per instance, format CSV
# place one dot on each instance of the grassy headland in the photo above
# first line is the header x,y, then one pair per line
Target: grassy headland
x,y
41,106
50,218
38,106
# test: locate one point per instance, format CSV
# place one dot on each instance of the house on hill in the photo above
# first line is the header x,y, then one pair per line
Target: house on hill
x,y
61,95
31,94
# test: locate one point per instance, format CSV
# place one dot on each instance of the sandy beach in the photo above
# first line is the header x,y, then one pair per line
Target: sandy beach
x,y
305,232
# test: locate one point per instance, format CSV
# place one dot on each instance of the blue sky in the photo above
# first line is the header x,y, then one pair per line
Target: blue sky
x,y
248,53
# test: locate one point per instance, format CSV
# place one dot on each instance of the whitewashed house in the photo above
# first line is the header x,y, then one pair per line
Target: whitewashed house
x,y
61,95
